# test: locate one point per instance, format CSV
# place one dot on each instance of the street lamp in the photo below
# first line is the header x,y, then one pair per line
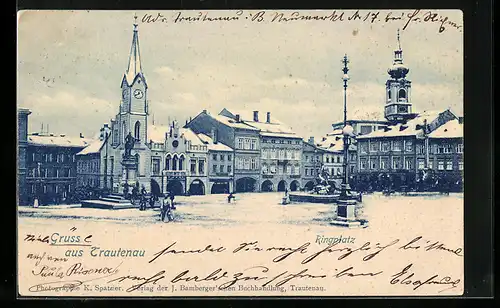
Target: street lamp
x,y
347,133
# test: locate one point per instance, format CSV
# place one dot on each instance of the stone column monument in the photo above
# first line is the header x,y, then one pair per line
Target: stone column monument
x,y
129,163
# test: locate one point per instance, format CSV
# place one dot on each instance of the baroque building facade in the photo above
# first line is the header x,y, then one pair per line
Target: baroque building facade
x,y
411,145
267,153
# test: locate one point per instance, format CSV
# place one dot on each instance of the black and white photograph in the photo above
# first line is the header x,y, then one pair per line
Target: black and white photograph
x,y
240,153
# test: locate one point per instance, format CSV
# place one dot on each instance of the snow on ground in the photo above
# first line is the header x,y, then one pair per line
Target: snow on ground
x,y
264,211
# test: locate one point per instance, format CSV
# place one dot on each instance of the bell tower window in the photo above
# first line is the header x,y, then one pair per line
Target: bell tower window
x,y
402,94
137,130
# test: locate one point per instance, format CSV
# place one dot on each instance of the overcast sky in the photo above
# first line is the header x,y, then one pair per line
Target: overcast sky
x,y
71,65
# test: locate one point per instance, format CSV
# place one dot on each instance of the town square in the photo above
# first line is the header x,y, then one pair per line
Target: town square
x,y
240,153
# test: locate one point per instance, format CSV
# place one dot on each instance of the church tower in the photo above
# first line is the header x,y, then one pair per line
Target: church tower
x,y
134,104
398,106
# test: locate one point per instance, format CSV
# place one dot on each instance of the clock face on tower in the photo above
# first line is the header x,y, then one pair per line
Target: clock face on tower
x,y
125,94
138,94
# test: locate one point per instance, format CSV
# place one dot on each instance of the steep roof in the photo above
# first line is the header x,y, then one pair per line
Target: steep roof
x,y
274,128
189,135
134,67
229,121
156,133
451,129
93,148
58,141
411,128
214,146
333,143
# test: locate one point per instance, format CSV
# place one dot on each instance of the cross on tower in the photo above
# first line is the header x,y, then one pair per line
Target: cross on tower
x,y
135,21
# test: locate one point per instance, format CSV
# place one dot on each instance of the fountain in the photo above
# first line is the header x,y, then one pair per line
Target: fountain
x,y
326,190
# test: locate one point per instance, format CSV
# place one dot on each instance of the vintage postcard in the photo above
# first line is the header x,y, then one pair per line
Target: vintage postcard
x,y
240,153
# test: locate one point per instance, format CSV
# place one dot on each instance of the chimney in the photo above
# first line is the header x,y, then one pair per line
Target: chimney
x,y
213,135
256,116
237,118
311,139
81,135
268,119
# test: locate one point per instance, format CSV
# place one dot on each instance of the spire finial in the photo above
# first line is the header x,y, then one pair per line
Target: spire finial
x,y
399,41
135,21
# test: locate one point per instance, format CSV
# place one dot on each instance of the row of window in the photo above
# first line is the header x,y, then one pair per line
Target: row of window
x,y
281,154
246,163
397,163
280,141
50,157
172,163
221,157
333,159
447,148
398,145
50,172
221,169
312,158
90,181
52,188
198,148
245,143
201,166
87,166
176,163
288,169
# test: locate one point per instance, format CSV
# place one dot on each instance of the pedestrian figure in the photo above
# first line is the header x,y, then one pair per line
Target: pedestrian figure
x,y
229,197
172,197
142,202
286,199
165,208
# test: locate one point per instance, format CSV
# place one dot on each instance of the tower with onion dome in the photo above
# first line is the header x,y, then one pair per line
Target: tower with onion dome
x,y
398,106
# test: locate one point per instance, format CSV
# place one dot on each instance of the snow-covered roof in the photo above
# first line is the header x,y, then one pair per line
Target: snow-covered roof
x,y
93,148
60,141
274,128
408,129
333,143
156,133
451,129
189,135
230,122
214,146
335,132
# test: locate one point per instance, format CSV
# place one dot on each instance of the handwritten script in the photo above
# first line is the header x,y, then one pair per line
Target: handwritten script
x,y
404,18
287,266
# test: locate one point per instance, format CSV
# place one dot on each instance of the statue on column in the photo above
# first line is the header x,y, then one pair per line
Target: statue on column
x,y
129,144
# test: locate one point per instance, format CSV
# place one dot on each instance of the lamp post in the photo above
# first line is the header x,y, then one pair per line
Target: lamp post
x,y
347,132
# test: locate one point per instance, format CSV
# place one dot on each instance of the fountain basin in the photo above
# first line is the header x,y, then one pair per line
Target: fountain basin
x,y
304,197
